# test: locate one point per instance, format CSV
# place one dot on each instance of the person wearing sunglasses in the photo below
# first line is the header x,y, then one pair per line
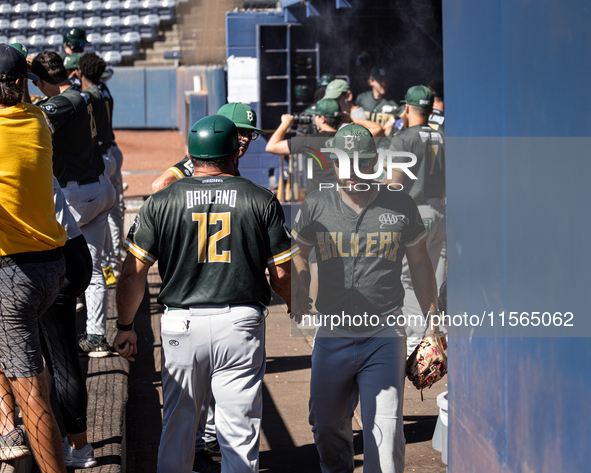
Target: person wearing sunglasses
x,y
245,119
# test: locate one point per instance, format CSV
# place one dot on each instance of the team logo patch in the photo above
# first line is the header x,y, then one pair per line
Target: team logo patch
x,y
49,108
173,343
212,180
428,222
350,142
391,219
249,116
135,225
387,108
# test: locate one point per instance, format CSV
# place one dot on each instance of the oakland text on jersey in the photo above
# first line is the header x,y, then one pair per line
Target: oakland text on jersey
x,y
207,197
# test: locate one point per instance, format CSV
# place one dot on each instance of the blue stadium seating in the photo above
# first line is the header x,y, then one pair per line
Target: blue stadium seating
x,y
114,27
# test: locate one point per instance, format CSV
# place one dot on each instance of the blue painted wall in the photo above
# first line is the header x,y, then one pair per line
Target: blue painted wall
x,y
517,144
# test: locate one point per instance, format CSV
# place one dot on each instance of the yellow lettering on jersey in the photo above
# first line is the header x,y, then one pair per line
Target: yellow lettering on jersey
x,y
214,256
371,240
202,234
385,242
355,245
435,148
320,238
331,244
396,240
340,245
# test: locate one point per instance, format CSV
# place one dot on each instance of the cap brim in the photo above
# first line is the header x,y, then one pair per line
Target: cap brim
x,y
32,76
331,95
249,127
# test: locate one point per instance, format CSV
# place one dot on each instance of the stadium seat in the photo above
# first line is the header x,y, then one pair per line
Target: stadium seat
x,y
37,23
111,38
130,5
112,21
54,40
55,23
94,38
93,6
18,24
18,39
151,20
5,9
130,20
131,37
112,5
93,22
39,7
20,8
76,5
35,40
4,24
57,7
112,57
75,22
4,39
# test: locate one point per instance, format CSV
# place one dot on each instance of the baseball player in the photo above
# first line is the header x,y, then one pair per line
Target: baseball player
x,y
74,41
428,190
327,118
79,168
340,91
437,117
243,116
32,265
375,100
91,69
204,231
360,231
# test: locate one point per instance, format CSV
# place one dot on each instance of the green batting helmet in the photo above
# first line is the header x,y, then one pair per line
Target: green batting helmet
x,y
353,137
75,39
213,137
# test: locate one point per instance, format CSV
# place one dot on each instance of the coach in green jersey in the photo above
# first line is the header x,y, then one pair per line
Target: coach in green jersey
x,y
245,119
428,190
360,229
214,235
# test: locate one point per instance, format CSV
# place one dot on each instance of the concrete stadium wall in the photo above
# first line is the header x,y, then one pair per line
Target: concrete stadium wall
x,y
517,144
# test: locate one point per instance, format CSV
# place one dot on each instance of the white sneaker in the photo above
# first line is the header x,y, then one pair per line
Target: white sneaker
x,y
82,458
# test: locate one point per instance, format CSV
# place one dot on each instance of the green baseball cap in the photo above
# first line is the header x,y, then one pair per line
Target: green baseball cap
x,y
71,62
353,137
419,96
21,47
325,79
336,88
325,108
241,114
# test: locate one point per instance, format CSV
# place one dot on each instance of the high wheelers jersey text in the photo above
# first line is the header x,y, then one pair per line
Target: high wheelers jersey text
x,y
359,257
213,238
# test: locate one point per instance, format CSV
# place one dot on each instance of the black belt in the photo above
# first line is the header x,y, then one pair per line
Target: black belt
x,y
105,146
90,180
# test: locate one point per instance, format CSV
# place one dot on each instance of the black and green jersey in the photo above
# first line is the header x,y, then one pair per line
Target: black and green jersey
x,y
213,238
109,104
102,116
184,168
437,121
428,146
367,101
359,257
76,154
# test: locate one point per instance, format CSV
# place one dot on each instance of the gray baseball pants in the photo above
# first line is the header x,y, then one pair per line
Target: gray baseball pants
x,y
434,218
90,204
117,213
219,349
349,366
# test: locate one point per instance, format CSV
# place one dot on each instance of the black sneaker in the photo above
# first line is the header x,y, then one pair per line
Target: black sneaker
x,y
203,463
94,350
213,447
12,445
